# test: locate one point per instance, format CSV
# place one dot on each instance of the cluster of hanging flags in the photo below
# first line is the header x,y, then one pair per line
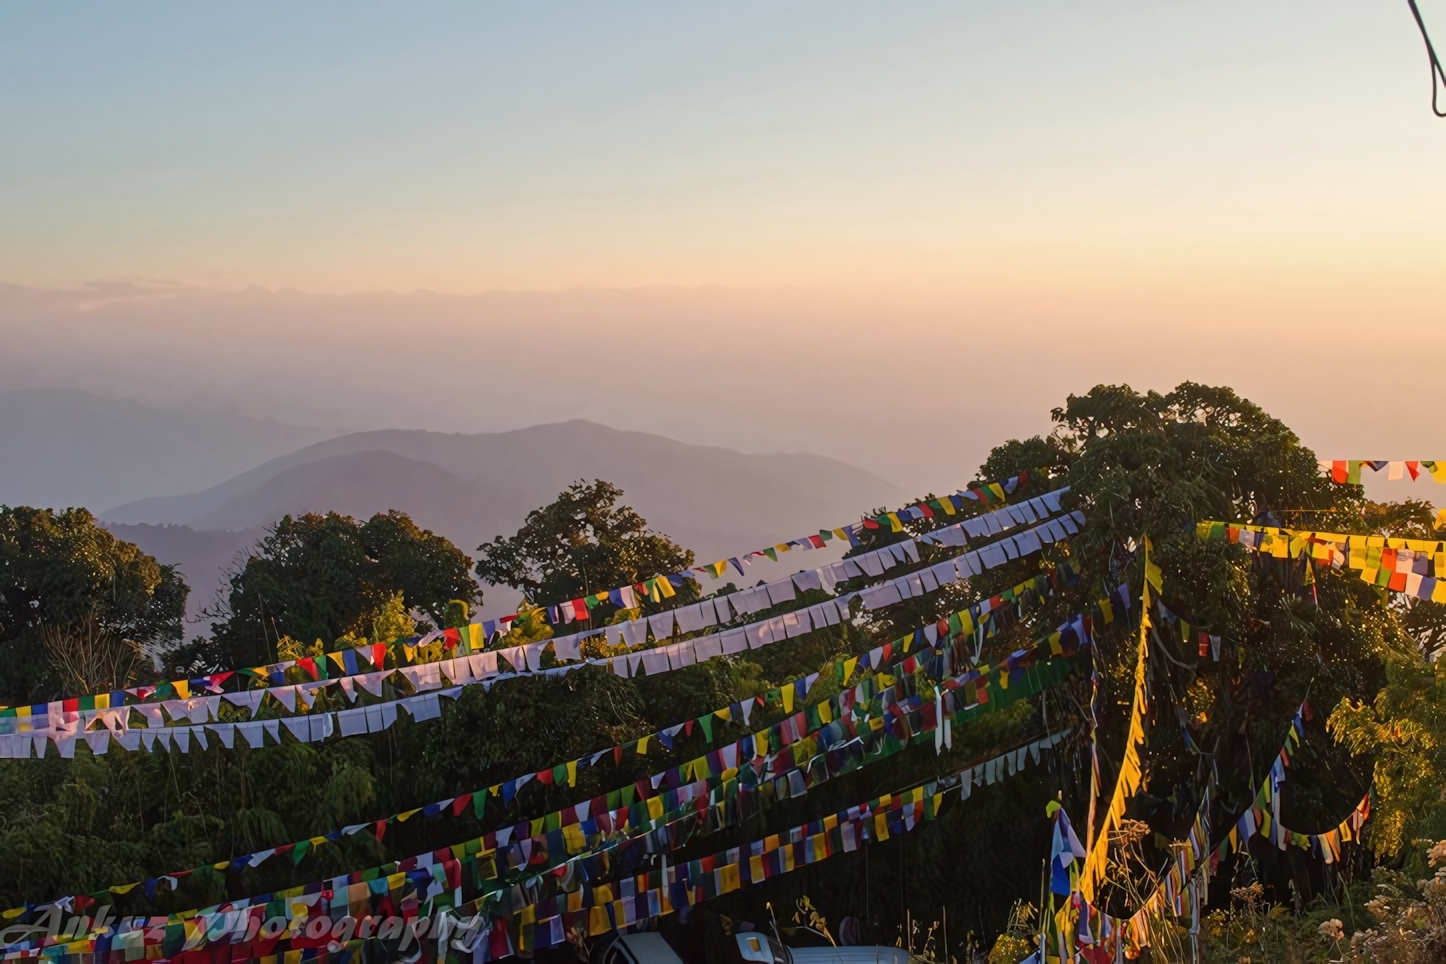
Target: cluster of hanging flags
x,y
1348,471
474,638
1078,931
64,722
937,649
561,898
1416,567
540,924
516,921
659,588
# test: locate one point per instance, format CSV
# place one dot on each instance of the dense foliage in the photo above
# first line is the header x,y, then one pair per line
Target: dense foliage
x,y
583,543
330,578
80,610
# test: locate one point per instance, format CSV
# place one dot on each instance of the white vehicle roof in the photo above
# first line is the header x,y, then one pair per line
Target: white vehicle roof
x,y
865,954
649,948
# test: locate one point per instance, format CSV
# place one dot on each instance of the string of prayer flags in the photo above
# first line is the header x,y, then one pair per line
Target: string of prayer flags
x,y
1415,567
1131,766
1263,818
658,588
663,587
451,652
898,713
23,731
548,843
688,883
1081,930
1348,471
435,882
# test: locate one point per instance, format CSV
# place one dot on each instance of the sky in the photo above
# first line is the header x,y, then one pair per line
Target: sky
x,y
892,233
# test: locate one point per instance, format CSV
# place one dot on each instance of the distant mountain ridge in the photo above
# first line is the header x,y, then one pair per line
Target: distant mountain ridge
x,y
470,488
61,447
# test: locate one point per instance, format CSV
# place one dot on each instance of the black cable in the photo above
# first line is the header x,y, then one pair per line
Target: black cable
x,y
1436,71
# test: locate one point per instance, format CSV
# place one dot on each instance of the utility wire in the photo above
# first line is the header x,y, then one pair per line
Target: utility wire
x,y
1436,72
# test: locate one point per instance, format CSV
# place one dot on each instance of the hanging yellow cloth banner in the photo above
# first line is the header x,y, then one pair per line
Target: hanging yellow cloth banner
x,y
1131,769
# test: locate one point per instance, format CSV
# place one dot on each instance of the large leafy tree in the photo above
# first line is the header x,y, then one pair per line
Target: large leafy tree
x,y
79,609
582,543
1155,464
326,577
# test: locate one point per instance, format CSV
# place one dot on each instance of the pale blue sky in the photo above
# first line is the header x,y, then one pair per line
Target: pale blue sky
x,y
465,147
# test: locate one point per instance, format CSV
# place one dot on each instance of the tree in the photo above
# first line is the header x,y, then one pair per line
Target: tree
x,y
330,577
77,605
1152,463
585,542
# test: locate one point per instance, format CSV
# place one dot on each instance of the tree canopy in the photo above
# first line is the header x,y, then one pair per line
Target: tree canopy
x,y
79,609
330,577
583,542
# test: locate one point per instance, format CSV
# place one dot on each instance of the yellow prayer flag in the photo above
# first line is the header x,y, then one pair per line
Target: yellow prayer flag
x,y
728,879
1153,575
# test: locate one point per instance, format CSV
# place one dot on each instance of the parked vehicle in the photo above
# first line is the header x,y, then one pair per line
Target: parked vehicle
x,y
758,948
641,948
